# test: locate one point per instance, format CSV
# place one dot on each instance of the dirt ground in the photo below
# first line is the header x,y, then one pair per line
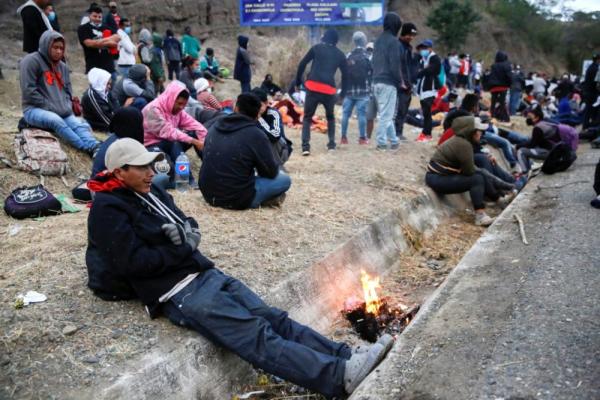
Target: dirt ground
x,y
333,195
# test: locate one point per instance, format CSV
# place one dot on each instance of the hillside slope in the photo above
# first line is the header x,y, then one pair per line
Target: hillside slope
x,y
217,22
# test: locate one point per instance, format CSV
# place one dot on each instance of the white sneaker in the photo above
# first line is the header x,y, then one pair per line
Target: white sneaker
x,y
306,153
482,219
360,365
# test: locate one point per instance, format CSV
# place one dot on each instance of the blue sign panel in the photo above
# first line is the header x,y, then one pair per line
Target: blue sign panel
x,y
310,12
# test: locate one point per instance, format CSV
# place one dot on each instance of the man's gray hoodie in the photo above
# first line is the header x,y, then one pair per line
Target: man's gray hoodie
x,y
41,85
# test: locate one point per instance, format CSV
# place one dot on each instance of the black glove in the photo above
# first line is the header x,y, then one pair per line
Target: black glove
x,y
192,235
175,233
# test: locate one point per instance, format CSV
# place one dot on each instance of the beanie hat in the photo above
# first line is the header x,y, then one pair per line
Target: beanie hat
x,y
201,84
408,29
359,39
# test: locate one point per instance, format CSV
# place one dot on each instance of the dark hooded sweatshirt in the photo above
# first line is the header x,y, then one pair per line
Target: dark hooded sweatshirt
x,y
501,72
33,26
233,149
128,254
241,70
326,60
386,54
43,84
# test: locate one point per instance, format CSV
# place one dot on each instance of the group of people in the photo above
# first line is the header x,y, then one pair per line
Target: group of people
x,y
141,245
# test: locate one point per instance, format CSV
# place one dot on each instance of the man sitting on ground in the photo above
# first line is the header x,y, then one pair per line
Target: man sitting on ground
x,y
141,245
204,95
271,123
234,149
210,66
46,94
137,89
544,136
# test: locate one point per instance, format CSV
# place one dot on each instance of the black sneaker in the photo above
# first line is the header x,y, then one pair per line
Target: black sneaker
x,y
395,146
381,147
274,202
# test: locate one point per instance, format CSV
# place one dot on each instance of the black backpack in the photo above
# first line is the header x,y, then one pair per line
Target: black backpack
x,y
359,66
560,158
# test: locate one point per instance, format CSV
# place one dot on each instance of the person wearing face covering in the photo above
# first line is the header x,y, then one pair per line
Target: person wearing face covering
x,y
96,47
387,80
544,136
242,71
325,59
35,23
97,103
52,17
428,84
46,94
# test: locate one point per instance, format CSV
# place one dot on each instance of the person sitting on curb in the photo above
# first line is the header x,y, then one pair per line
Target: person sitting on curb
x,y
168,126
452,169
98,104
204,95
544,137
141,245
137,89
234,149
128,122
46,94
271,123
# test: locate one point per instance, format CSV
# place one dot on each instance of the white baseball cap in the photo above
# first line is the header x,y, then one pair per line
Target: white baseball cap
x,y
127,151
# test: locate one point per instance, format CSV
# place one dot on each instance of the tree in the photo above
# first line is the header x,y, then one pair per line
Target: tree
x,y
453,21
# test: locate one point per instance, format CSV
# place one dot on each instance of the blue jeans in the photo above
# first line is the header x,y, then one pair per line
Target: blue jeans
x,y
386,107
267,189
70,129
361,112
516,138
139,103
123,70
514,101
502,144
226,312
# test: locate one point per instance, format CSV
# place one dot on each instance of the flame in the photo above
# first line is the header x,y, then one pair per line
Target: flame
x,y
372,300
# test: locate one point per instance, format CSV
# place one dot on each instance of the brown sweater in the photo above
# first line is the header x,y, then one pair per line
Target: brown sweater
x,y
457,152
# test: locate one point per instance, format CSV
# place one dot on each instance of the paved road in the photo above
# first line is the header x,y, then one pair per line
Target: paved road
x,y
512,321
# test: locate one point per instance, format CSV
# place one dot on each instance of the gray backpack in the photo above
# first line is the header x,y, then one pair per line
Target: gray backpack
x,y
39,153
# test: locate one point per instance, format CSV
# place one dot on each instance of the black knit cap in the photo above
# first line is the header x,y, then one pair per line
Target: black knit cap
x,y
408,29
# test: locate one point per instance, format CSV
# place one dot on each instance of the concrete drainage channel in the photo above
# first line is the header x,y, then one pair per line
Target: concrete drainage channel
x,y
198,370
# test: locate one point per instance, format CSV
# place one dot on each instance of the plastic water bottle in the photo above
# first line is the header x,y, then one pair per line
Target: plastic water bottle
x,y
182,173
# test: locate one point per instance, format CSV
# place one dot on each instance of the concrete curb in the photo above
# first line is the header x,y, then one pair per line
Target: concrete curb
x,y
198,369
467,329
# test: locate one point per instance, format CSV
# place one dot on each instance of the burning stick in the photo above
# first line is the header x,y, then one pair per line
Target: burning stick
x,y
521,228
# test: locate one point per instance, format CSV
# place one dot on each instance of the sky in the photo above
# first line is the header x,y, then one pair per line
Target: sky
x,y
584,5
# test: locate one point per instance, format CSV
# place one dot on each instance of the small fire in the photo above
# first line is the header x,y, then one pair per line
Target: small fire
x,y
372,300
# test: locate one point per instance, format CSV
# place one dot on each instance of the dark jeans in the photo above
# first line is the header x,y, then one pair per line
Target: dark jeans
x,y
228,313
590,114
483,161
174,149
597,179
313,99
450,184
498,108
246,87
174,67
139,103
402,103
426,109
525,155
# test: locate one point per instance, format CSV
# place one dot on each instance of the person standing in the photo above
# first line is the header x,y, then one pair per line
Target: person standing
x,y
428,85
500,80
360,73
387,79
190,45
52,17
126,48
325,59
590,91
242,71
112,19
172,49
95,46
407,68
35,23
454,64
516,89
46,94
